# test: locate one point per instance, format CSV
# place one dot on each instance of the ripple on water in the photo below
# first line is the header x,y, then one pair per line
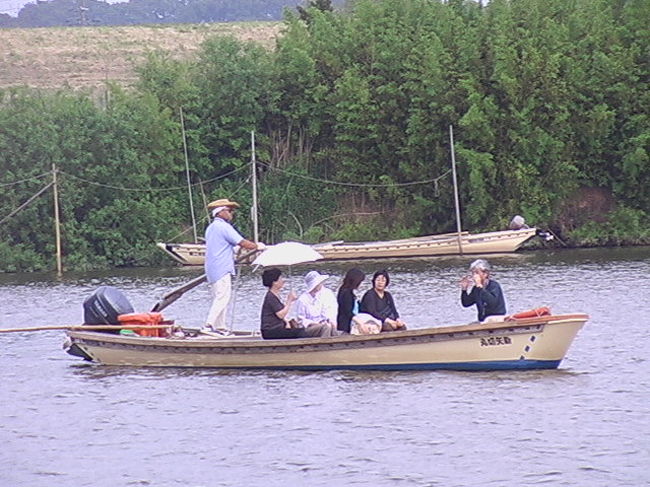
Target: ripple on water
x,y
584,424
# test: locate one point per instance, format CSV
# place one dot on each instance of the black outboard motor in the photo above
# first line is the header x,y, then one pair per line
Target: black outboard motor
x,y
105,305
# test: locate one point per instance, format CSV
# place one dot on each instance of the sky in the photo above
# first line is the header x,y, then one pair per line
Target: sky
x,y
12,7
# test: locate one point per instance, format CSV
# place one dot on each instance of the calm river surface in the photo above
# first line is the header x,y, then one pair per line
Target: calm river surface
x,y
66,423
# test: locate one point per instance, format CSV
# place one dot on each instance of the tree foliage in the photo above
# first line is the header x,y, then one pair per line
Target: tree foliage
x,y
350,109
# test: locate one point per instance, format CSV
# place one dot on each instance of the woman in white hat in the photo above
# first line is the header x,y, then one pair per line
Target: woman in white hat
x,y
317,305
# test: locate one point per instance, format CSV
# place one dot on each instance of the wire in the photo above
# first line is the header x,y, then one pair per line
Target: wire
x,y
32,198
151,190
358,185
34,178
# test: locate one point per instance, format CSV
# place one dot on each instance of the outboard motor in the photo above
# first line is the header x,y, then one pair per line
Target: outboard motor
x,y
105,305
518,223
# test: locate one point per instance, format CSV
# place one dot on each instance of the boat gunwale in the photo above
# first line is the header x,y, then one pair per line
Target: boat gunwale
x,y
383,339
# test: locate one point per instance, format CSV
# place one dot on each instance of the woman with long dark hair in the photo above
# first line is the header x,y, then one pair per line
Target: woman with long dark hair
x,y
347,300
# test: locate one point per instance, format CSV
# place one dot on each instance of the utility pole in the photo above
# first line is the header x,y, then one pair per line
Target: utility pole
x,y
187,173
254,180
456,201
57,222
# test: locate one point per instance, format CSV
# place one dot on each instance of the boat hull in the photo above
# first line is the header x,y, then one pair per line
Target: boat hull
x,y
539,343
432,245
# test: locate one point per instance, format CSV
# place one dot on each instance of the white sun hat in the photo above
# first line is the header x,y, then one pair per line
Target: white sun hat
x,y
313,279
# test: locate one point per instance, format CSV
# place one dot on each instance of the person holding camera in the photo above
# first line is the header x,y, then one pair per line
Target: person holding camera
x,y
485,292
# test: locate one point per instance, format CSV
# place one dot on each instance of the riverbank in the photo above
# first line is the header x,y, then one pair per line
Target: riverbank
x,y
90,57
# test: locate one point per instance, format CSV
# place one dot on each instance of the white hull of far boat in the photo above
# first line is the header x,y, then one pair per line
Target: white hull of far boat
x,y
428,246
532,343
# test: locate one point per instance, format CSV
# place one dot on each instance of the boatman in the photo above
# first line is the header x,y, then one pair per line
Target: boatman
x,y
220,240
486,293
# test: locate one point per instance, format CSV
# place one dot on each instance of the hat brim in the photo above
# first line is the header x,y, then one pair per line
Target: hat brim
x,y
223,202
321,279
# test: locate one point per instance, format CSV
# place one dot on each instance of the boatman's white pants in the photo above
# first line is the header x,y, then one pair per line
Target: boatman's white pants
x,y
221,291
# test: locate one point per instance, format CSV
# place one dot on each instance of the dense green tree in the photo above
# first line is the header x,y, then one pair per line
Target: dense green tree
x,y
548,100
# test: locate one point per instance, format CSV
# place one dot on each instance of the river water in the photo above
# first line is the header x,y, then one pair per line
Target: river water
x,y
67,423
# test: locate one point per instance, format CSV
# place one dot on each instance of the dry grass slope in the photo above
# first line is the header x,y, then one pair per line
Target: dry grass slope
x,y
87,57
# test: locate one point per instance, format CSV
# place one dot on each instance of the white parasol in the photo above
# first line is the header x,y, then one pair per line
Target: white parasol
x,y
286,253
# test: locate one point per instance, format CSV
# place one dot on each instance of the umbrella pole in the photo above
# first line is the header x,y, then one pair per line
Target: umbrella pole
x,y
233,299
290,280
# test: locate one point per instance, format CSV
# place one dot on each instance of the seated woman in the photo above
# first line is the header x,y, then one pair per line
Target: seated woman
x,y
348,319
486,293
317,305
274,312
379,303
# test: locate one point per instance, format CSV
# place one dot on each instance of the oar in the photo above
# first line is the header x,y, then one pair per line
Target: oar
x,y
88,327
172,296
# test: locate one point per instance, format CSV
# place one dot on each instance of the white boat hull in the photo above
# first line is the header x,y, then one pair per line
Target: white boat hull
x,y
432,245
535,343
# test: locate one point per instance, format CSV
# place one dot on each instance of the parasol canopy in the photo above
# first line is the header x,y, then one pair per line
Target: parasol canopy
x,y
286,253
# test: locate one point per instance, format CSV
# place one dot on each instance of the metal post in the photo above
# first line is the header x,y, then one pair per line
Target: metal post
x,y
254,180
457,203
57,223
187,172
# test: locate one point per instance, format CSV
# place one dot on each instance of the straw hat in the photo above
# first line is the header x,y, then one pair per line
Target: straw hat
x,y
313,279
222,202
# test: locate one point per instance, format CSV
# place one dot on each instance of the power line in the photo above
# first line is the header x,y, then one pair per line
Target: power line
x,y
150,190
357,185
34,178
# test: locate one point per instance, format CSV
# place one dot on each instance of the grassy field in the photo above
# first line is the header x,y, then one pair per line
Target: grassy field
x,y
86,57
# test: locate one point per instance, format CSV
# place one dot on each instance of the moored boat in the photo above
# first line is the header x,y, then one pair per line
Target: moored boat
x,y
505,241
529,343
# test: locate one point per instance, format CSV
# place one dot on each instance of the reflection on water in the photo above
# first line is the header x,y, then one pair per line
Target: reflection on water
x,y
68,423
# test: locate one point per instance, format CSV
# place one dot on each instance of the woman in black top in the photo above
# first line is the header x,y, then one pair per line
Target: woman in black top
x,y
379,303
347,300
274,312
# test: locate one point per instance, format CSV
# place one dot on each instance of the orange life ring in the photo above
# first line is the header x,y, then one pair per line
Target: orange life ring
x,y
532,313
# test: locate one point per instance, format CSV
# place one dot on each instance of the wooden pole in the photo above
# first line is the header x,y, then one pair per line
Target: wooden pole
x,y
254,179
187,172
86,328
205,201
57,223
456,201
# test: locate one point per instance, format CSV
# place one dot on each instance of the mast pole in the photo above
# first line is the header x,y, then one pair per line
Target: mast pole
x,y
187,173
456,201
57,223
254,180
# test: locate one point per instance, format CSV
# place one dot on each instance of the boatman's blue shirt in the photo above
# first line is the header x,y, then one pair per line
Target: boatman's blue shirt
x,y
220,238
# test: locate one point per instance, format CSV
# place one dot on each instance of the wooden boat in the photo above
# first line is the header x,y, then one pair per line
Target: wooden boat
x,y
184,253
430,245
528,343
